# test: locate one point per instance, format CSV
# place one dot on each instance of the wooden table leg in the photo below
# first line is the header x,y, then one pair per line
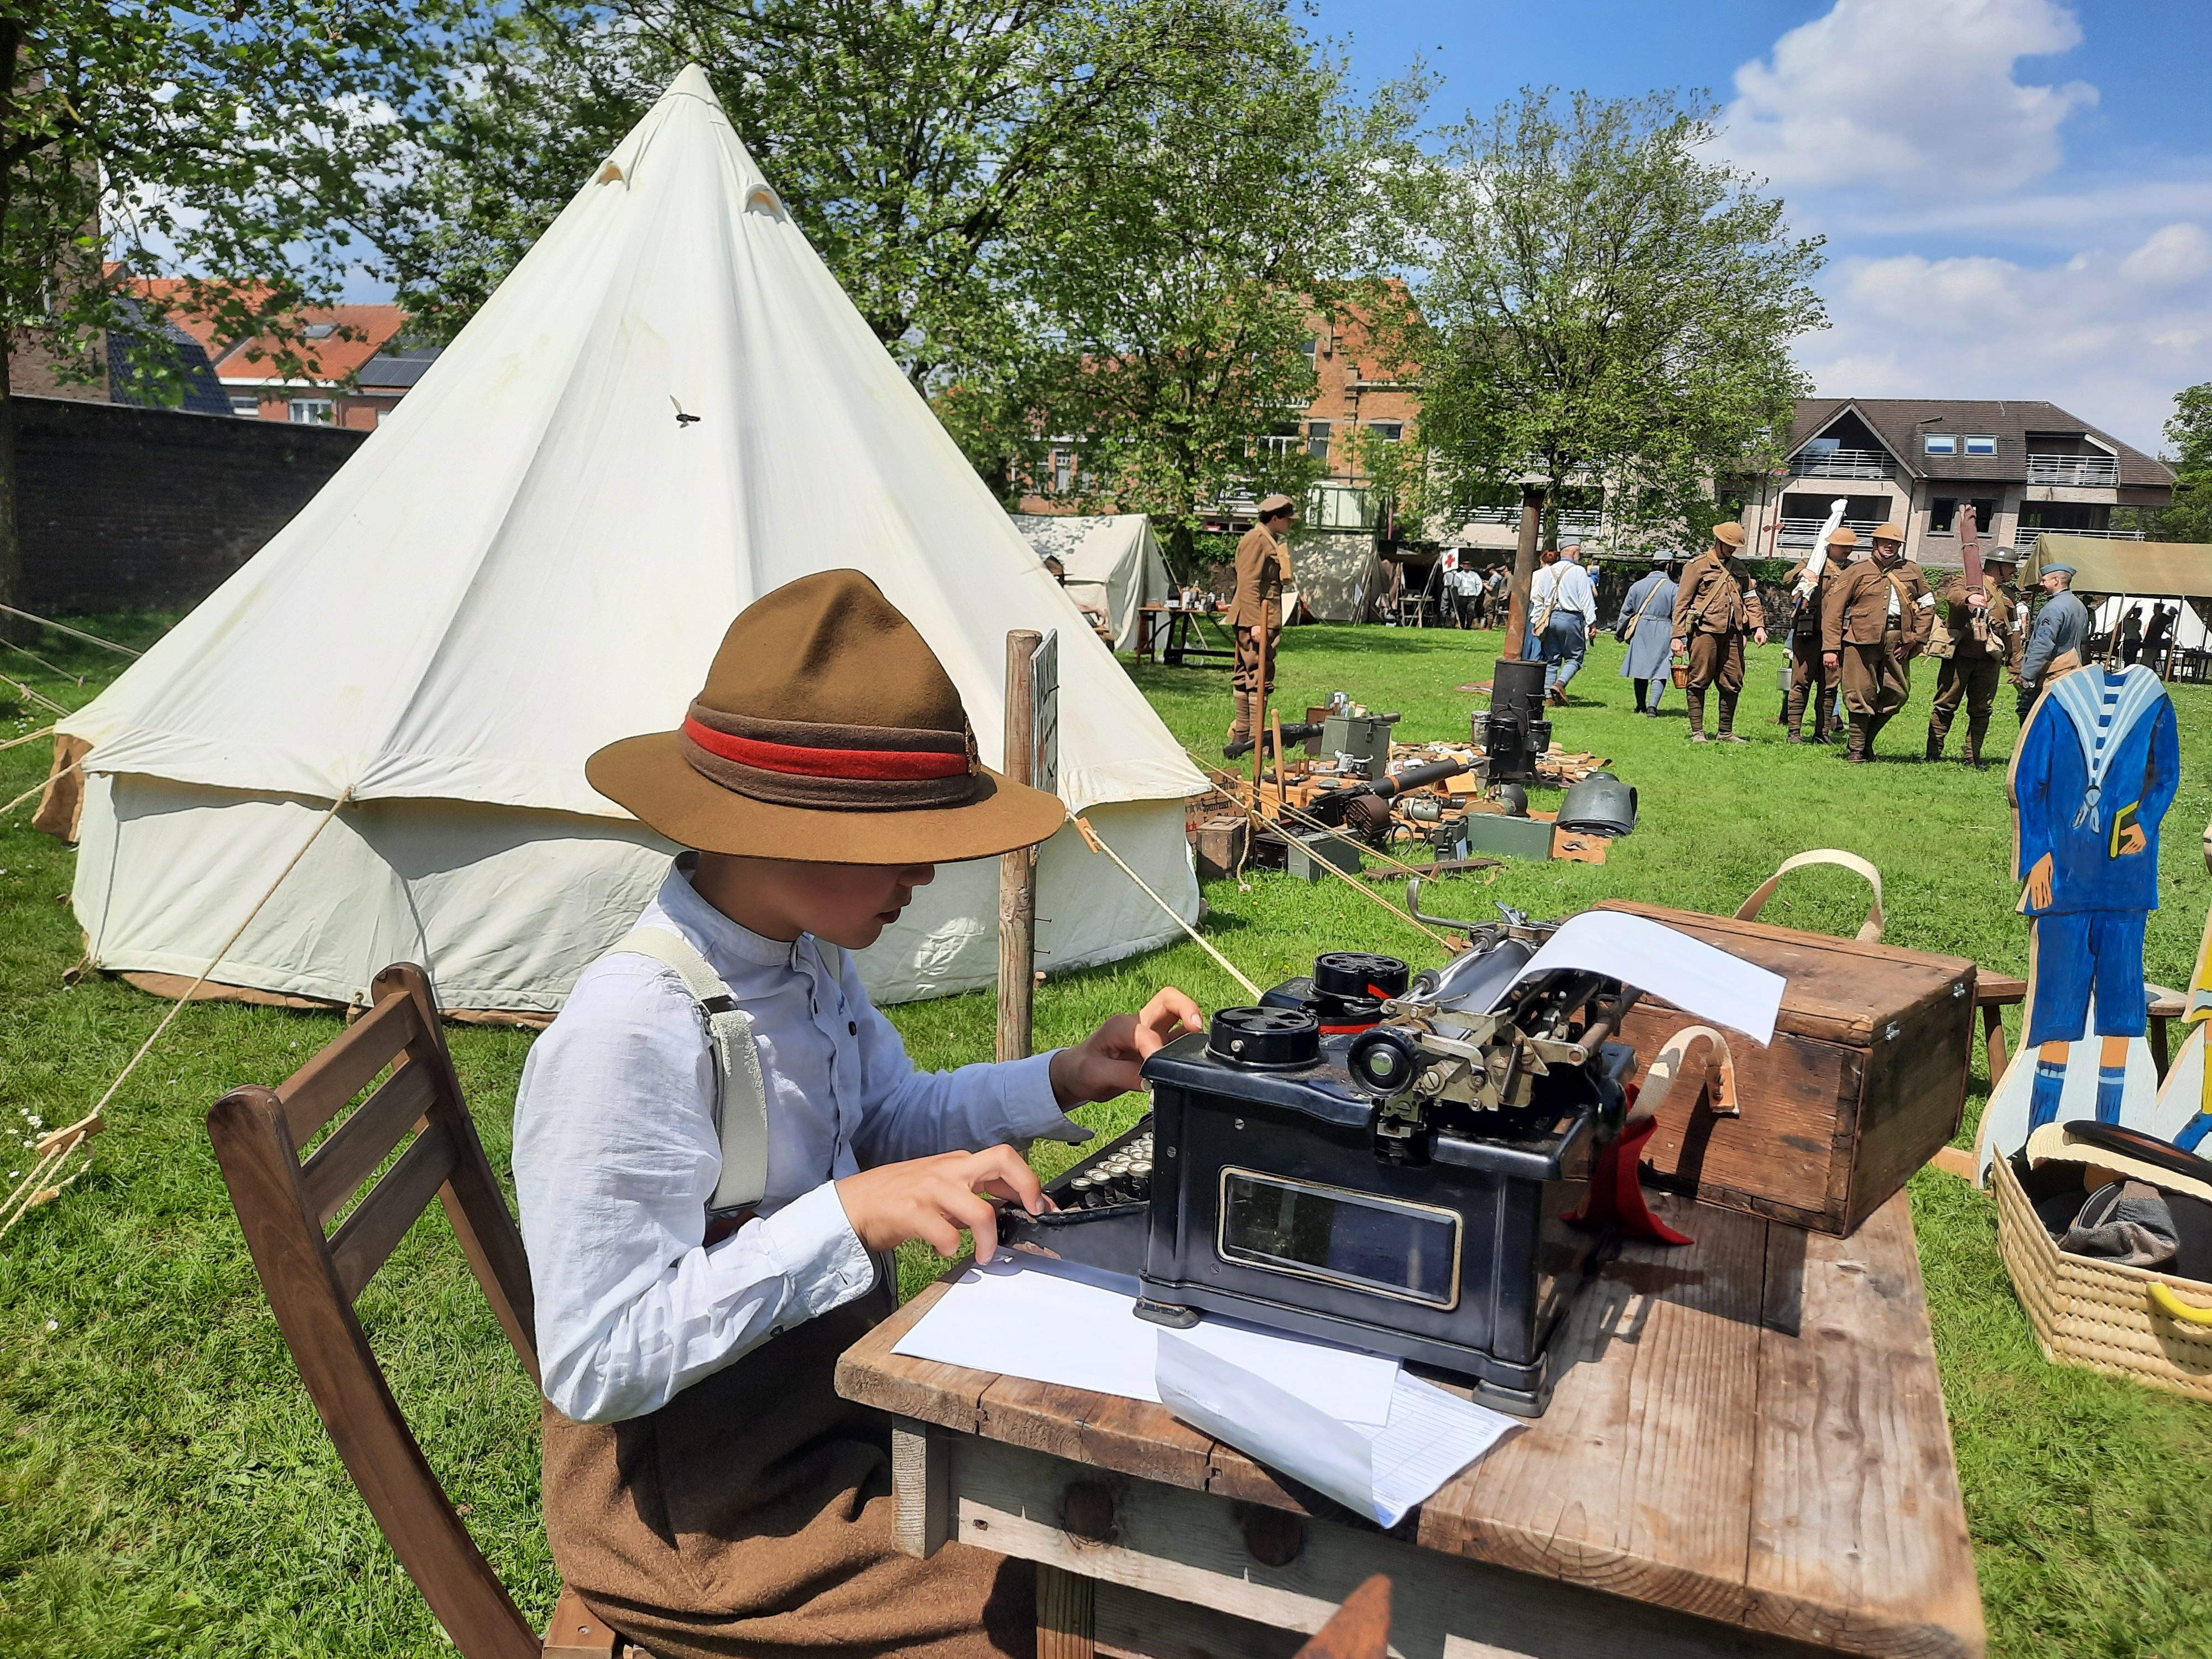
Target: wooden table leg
x,y
1993,1042
921,1480
1066,1613
2158,1044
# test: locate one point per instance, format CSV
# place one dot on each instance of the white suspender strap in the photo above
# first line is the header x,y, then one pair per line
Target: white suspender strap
x,y
741,1097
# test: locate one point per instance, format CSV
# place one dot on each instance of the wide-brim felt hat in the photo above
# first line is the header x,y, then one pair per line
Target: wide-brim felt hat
x,y
827,732
1729,533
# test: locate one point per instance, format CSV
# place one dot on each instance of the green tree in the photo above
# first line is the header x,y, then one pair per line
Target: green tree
x,y
1179,302
917,145
1606,306
1001,186
2190,432
138,140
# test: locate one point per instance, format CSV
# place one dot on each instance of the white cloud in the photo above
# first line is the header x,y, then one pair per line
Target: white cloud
x,y
2110,336
1913,95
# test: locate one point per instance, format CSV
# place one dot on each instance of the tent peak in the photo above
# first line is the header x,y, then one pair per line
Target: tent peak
x,y
691,82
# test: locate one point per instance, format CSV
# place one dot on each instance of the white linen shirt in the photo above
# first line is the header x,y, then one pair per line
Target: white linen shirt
x,y
1571,591
616,1157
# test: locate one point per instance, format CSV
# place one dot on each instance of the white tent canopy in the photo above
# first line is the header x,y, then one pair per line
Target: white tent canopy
x,y
534,555
1112,561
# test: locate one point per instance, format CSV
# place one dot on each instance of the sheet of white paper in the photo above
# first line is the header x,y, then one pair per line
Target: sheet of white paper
x,y
1060,1321
1432,1435
1267,1423
1692,974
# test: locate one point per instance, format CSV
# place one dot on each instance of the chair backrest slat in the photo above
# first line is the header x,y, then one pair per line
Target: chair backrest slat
x,y
373,1231
319,1090
312,1280
358,1146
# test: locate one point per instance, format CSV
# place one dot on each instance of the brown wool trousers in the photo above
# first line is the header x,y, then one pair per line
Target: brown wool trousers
x,y
1876,680
752,1516
1714,660
1809,684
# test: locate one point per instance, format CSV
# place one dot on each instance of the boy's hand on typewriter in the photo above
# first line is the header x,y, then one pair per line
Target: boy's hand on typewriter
x,y
931,1199
1107,1063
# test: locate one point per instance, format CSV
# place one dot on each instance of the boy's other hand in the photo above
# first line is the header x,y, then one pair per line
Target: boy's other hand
x,y
931,1199
1110,1061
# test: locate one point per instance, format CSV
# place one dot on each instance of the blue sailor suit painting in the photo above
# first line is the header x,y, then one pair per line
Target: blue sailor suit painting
x,y
2091,776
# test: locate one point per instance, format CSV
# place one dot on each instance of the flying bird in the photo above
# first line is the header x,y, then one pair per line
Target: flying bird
x,y
682,419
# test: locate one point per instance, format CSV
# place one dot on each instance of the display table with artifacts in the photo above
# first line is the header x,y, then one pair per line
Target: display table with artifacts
x,y
1179,632
1746,1454
1727,1434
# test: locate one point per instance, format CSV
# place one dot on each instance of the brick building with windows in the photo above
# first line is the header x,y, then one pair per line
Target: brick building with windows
x,y
2026,467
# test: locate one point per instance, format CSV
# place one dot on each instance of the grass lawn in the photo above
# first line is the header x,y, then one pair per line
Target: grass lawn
x,y
166,1488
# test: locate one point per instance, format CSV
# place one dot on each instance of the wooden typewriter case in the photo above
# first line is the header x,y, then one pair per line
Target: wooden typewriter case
x,y
1865,1080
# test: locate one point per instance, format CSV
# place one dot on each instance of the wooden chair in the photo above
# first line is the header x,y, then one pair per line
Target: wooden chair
x,y
312,1281
1360,1629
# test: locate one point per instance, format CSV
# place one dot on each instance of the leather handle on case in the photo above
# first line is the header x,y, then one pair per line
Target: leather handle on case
x,y
1870,930
1669,1066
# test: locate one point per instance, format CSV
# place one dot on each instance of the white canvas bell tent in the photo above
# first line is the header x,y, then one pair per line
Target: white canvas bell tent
x,y
668,409
1112,559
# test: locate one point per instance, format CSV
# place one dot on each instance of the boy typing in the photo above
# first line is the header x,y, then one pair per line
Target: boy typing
x,y
720,1136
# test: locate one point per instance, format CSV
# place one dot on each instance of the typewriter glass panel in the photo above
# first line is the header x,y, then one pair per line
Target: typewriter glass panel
x,y
1409,1251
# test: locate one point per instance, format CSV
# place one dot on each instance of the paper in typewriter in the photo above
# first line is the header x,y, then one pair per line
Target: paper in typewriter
x,y
1693,975
1381,1472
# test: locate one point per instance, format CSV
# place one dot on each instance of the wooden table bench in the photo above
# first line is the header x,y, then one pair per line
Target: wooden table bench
x,y
1995,992
1747,1455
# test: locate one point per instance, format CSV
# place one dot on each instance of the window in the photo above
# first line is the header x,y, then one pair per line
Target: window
x,y
1311,347
1943,515
1063,468
1317,439
1981,444
313,411
1942,443
245,408
1388,431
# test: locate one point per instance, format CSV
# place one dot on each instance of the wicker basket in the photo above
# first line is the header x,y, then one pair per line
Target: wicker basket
x,y
2128,1321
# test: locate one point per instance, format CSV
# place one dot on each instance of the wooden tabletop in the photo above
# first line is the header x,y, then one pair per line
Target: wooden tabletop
x,y
1749,1428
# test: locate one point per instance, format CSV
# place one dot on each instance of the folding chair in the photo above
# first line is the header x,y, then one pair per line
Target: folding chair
x,y
312,1281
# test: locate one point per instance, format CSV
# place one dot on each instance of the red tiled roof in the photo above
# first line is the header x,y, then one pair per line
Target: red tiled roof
x,y
331,357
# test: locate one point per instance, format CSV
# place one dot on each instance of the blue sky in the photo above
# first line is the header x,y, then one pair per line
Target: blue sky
x,y
2017,194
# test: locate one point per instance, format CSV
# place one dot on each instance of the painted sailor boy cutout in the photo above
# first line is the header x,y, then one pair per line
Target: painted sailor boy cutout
x,y
2091,779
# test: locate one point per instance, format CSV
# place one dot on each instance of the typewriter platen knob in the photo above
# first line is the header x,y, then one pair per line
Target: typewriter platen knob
x,y
1270,1038
1383,1062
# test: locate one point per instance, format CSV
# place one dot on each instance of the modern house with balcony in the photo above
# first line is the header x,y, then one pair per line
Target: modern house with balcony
x,y
2025,467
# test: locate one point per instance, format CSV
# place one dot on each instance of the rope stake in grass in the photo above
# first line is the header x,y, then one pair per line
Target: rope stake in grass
x,y
34,694
74,633
1090,838
91,1123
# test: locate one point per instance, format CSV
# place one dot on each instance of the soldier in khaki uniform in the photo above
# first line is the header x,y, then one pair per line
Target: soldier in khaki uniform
x,y
1263,568
1987,638
1716,602
1874,622
1809,679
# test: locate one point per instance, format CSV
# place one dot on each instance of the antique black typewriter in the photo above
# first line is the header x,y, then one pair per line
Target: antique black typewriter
x,y
1372,1158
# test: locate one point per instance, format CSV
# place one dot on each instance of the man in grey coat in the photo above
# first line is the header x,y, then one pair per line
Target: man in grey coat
x,y
1647,623
2060,629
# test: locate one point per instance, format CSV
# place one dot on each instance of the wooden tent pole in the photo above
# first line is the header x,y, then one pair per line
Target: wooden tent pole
x,y
1018,869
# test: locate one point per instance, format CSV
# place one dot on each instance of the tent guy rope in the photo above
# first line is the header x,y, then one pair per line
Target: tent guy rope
x,y
1090,838
29,737
56,1145
33,694
39,787
74,633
